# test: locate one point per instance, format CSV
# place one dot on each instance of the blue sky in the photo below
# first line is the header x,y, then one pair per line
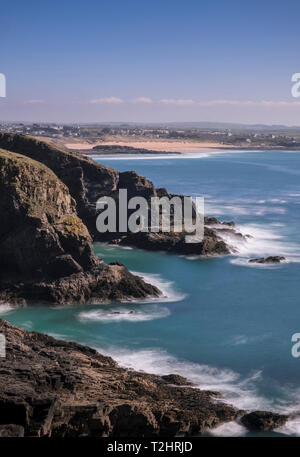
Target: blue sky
x,y
129,60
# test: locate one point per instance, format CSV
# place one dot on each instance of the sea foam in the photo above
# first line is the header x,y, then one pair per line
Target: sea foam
x,y
169,292
119,314
5,308
162,156
262,242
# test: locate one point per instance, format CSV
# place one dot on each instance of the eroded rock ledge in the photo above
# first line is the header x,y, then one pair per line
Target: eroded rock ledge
x,y
61,389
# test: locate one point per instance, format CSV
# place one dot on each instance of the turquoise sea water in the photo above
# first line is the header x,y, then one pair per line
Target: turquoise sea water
x,y
224,324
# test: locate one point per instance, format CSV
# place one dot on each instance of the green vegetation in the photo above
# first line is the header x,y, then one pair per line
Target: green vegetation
x,y
73,225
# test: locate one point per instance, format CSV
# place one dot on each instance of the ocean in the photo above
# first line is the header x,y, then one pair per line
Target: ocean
x,y
223,323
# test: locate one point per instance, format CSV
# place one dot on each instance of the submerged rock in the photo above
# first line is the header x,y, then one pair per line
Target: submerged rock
x,y
271,259
263,421
46,253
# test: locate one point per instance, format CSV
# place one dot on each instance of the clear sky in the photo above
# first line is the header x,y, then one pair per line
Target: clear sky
x,y
158,60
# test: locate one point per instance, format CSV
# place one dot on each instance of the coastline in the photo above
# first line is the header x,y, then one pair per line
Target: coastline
x,y
201,271
158,148
155,405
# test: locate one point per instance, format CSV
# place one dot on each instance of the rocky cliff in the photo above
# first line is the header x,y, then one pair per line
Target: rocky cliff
x,y
45,249
87,181
61,389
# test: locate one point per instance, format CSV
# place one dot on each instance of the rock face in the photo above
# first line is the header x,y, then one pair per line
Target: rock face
x,y
271,259
87,181
263,421
61,389
45,249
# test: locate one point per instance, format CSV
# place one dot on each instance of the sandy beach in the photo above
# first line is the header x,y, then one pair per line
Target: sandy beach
x,y
154,145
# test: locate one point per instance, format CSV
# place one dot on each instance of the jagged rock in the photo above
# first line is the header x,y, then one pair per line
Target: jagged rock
x,y
211,221
46,253
88,181
231,223
271,259
175,242
176,379
263,421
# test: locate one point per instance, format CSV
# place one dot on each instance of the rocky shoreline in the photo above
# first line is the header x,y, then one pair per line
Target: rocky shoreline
x,y
60,389
54,388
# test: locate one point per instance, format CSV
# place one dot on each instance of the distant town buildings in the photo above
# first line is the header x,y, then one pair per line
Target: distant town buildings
x,y
239,137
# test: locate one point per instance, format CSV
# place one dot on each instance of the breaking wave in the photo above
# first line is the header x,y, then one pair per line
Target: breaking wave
x,y
170,294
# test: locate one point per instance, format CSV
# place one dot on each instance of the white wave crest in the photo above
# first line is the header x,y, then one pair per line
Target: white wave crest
x,y
170,294
170,156
263,242
229,429
144,313
5,308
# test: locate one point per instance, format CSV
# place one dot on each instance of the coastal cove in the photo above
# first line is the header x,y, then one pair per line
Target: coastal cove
x,y
222,323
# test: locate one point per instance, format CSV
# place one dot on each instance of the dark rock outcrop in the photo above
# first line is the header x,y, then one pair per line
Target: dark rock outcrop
x,y
62,389
46,251
87,181
271,259
263,421
177,380
211,244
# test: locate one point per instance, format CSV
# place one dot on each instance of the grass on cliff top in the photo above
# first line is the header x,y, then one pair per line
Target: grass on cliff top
x,y
42,142
14,157
37,142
